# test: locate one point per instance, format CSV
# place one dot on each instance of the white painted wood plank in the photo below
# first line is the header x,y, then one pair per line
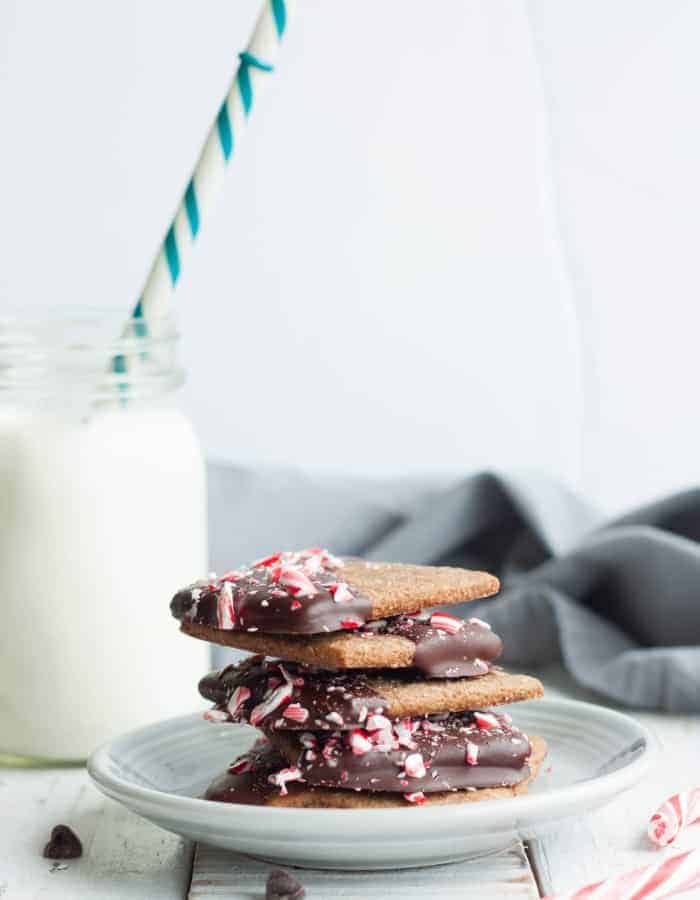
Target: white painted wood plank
x,y
124,857
613,839
505,876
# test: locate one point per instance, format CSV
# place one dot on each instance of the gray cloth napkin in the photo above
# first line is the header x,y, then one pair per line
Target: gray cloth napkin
x,y
618,602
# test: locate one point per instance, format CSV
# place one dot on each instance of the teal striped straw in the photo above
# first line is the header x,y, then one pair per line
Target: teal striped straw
x,y
255,64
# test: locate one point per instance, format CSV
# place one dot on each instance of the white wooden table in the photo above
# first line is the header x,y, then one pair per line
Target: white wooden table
x,y
130,859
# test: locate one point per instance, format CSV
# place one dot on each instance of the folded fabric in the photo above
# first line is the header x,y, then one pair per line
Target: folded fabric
x,y
618,603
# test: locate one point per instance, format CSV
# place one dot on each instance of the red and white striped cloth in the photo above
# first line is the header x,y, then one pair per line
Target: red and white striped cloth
x,y
669,876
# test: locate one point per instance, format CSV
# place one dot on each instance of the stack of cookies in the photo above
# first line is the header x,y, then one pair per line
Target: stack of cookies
x,y
362,698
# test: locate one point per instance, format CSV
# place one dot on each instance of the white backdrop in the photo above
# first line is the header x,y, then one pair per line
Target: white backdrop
x,y
432,198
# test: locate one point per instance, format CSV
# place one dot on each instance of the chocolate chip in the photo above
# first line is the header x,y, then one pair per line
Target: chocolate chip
x,y
64,844
282,885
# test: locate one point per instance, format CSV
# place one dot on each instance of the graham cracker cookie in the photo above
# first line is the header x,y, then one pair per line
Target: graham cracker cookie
x,y
438,645
252,786
289,696
441,753
314,592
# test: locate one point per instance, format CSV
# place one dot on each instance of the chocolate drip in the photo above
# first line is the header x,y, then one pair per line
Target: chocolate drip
x,y
250,784
319,698
291,593
441,654
442,744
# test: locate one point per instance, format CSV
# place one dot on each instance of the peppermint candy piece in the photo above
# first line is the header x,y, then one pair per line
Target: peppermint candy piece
x,y
485,721
359,741
384,740
445,622
335,719
670,876
279,696
341,592
375,722
225,614
282,778
215,715
297,582
295,712
267,561
403,731
417,797
472,755
241,765
414,766
325,557
672,817
238,698
350,623
234,575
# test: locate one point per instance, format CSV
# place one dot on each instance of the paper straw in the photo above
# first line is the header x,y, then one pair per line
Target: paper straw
x,y
662,879
255,65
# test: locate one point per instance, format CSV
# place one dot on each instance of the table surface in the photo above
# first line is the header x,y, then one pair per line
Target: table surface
x,y
128,858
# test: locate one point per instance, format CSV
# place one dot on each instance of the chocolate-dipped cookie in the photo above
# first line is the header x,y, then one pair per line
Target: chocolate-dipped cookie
x,y
288,696
438,644
263,777
312,592
446,753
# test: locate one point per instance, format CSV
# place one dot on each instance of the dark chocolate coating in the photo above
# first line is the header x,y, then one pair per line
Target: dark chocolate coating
x,y
251,786
440,654
262,602
502,755
321,692
502,761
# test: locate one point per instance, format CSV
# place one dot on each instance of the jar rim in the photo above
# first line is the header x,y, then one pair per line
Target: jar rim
x,y
43,352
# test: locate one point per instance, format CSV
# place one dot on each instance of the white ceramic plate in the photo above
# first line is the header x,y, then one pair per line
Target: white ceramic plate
x,y
161,770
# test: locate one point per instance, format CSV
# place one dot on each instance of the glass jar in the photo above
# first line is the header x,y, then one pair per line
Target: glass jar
x,y
102,519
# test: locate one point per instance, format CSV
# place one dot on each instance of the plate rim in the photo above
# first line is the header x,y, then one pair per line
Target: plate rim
x,y
535,805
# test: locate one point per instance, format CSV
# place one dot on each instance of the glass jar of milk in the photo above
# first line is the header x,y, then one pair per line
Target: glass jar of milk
x,y
102,519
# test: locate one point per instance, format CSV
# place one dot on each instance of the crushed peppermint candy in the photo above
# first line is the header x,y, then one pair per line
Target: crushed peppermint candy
x,y
445,622
296,712
359,742
376,722
279,696
267,561
341,592
414,766
283,777
238,698
485,721
417,797
404,731
472,754
215,715
335,718
297,582
244,764
225,614
257,593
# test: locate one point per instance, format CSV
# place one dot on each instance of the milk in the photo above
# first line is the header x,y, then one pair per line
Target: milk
x,y
102,519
